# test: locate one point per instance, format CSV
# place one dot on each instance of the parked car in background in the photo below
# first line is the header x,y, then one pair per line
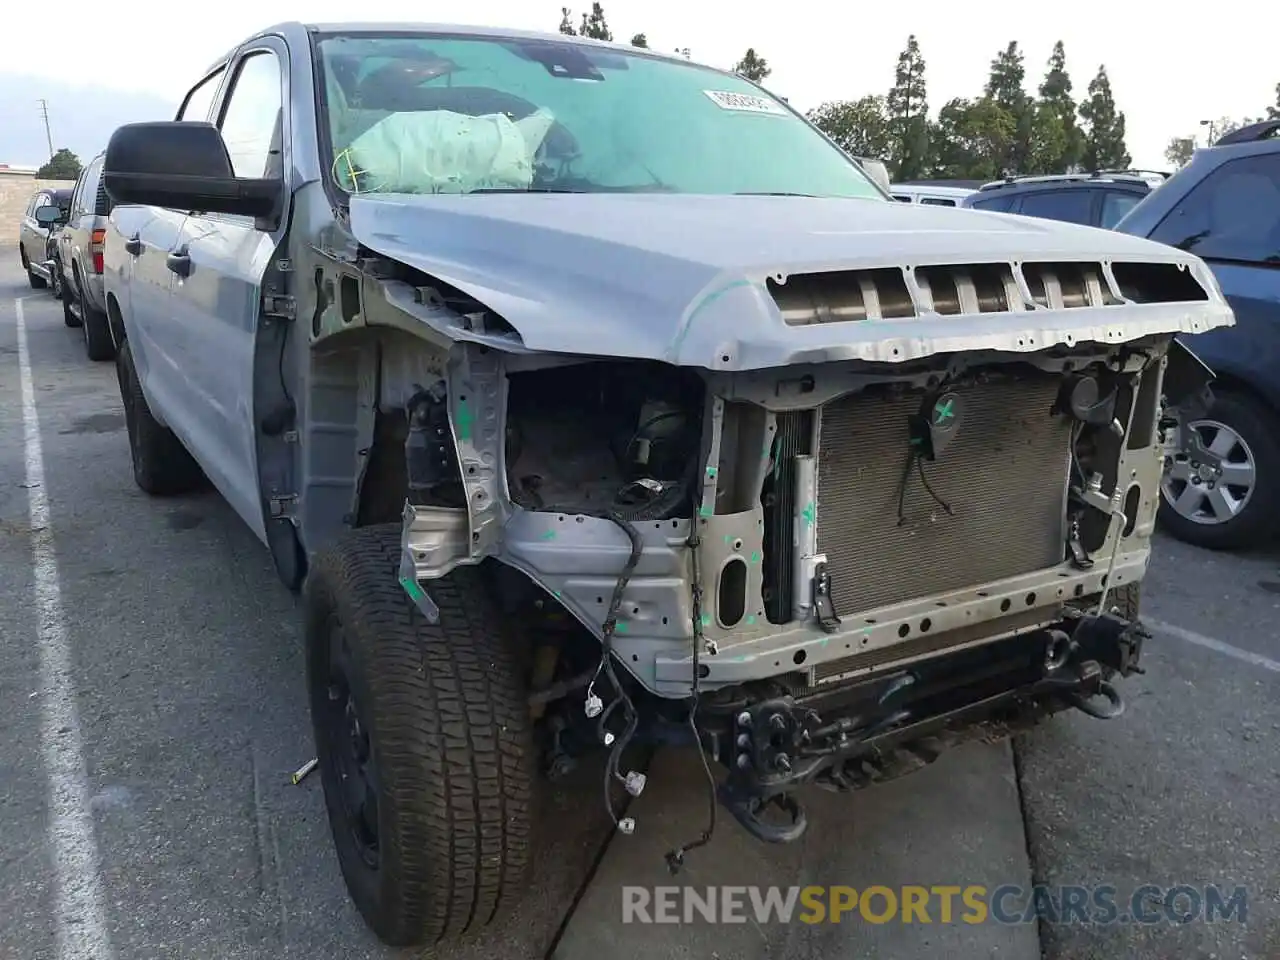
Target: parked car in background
x,y
937,195
32,235
78,260
1097,199
1222,485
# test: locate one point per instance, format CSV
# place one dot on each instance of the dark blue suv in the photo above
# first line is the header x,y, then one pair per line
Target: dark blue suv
x,y
1222,488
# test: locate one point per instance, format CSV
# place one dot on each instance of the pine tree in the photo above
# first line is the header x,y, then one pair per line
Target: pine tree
x,y
1005,89
1057,142
907,109
566,23
752,66
1104,146
594,25
640,40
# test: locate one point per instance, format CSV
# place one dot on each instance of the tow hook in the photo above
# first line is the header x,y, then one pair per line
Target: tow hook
x,y
748,810
1087,703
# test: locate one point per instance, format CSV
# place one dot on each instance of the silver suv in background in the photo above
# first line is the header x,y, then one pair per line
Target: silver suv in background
x,y
33,235
78,258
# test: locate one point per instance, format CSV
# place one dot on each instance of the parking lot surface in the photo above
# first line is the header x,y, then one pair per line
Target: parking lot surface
x,y
151,683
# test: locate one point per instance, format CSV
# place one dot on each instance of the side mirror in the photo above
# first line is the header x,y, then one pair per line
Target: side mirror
x,y
48,215
183,165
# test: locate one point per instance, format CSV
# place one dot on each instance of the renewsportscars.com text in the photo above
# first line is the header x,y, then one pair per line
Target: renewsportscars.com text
x,y
972,904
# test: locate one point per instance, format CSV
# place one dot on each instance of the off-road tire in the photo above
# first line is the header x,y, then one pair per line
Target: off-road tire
x,y
37,283
445,710
1259,521
161,464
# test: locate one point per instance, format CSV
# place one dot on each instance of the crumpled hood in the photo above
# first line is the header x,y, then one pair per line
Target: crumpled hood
x,y
682,278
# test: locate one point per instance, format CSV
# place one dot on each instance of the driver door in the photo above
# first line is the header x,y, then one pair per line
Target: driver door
x,y
219,261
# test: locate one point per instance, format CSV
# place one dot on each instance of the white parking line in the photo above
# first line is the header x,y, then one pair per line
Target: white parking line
x,y
1209,643
81,924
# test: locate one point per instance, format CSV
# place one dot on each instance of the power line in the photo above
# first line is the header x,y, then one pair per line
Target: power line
x,y
44,110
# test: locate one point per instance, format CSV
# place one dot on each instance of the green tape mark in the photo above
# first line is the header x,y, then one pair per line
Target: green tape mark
x,y
706,620
464,420
711,472
751,619
808,514
728,538
755,556
556,594
704,511
412,589
944,411
548,535
705,302
620,627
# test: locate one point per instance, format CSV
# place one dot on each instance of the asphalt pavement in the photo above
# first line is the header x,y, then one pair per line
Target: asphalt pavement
x,y
152,710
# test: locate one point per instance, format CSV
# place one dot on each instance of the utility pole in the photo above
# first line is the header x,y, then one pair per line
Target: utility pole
x,y
44,110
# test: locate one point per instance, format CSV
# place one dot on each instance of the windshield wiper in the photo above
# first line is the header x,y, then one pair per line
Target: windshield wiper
x,y
525,190
772,193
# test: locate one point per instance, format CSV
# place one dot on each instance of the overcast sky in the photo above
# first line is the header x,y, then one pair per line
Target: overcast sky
x,y
1169,68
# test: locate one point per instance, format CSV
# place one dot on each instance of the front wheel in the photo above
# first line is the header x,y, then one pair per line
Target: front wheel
x,y
1221,490
424,742
37,283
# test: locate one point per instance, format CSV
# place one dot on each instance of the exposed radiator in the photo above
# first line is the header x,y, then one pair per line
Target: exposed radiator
x,y
1004,475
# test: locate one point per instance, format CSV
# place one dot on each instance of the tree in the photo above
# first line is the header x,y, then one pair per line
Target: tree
x,y
593,24
63,165
640,40
970,139
1273,112
752,66
683,51
907,112
1179,150
566,22
860,127
1005,89
1057,144
1104,147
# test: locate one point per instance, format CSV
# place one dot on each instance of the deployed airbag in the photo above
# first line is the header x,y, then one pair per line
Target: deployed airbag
x,y
440,151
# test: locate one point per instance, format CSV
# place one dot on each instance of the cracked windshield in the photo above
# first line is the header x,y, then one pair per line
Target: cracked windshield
x,y
444,114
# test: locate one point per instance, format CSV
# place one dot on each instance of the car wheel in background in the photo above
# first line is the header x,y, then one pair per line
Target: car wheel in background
x,y
1222,489
69,305
97,333
37,283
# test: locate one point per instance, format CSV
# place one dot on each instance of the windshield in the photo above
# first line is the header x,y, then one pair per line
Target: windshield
x,y
448,114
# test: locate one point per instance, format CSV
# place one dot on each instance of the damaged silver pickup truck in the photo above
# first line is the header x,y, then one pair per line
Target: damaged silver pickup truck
x,y
593,397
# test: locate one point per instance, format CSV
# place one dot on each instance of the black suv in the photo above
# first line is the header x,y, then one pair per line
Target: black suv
x,y
1096,199
1222,485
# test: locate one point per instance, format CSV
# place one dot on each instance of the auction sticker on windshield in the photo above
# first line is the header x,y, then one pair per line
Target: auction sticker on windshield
x,y
744,101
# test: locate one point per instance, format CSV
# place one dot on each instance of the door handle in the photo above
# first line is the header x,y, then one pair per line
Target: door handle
x,y
179,262
134,245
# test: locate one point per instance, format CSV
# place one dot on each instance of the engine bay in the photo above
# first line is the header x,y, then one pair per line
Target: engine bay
x,y
606,437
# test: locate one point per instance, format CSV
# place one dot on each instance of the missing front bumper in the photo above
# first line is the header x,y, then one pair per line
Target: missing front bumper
x,y
899,723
